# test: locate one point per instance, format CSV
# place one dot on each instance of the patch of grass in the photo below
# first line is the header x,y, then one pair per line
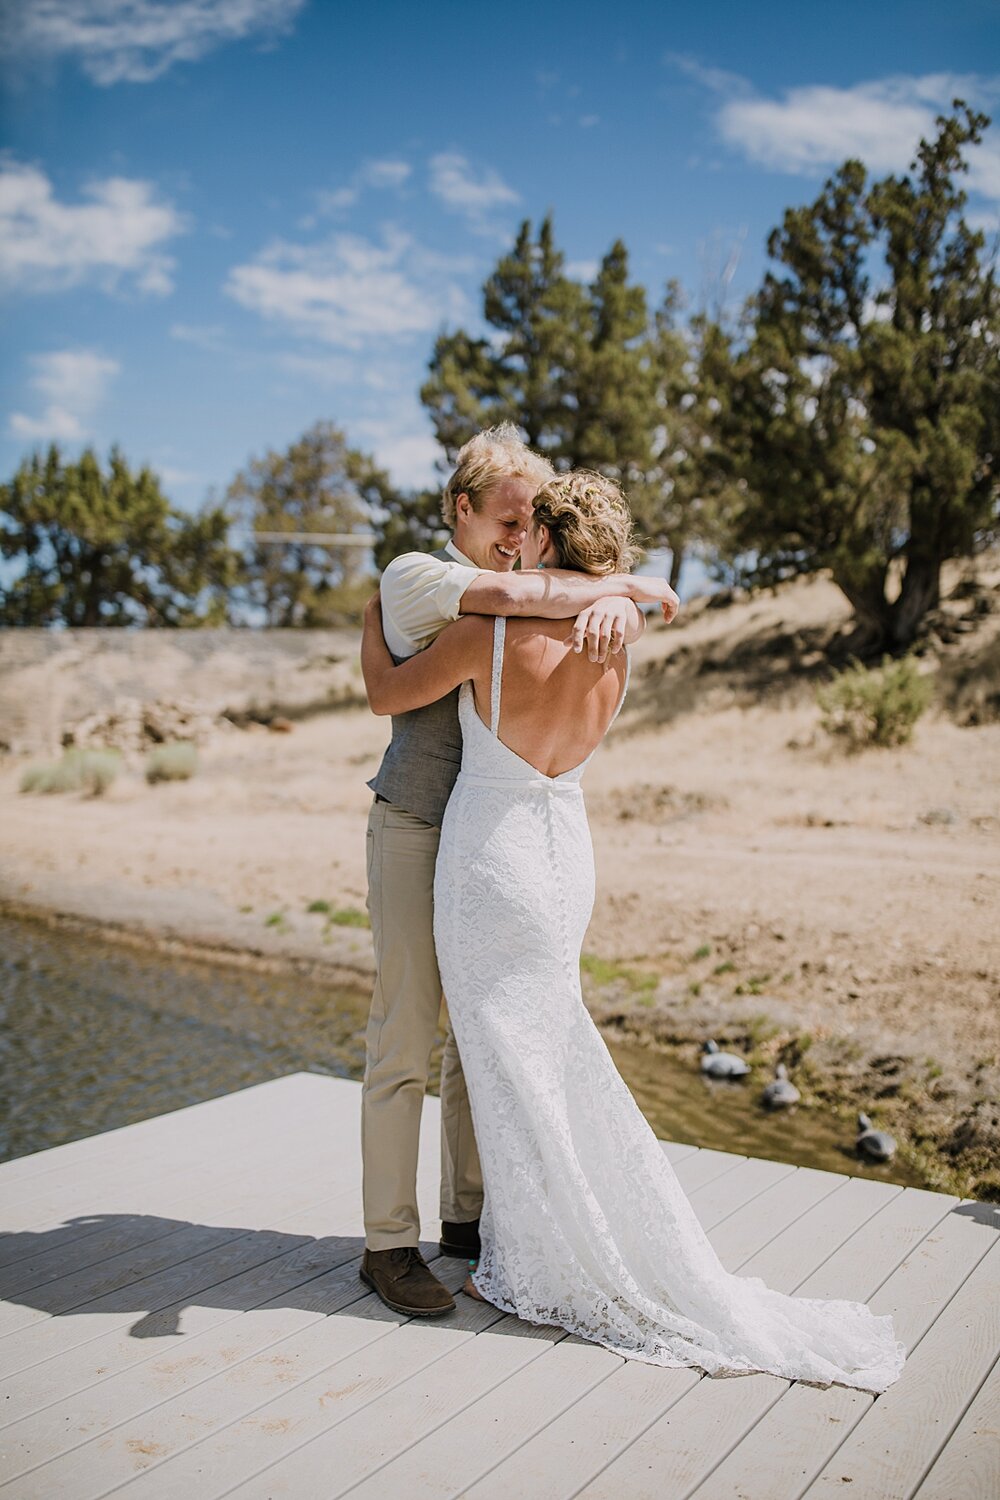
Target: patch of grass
x,y
761,1029
177,760
933,1068
276,919
246,908
349,916
90,771
865,706
694,988
702,952
322,907
603,972
727,968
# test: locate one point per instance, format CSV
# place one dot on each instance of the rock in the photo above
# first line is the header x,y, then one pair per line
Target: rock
x,y
280,726
942,815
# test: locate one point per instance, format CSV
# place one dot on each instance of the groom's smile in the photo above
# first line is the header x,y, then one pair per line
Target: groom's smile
x,y
491,535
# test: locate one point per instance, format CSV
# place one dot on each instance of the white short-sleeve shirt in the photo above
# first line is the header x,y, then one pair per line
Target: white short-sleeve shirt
x,y
421,595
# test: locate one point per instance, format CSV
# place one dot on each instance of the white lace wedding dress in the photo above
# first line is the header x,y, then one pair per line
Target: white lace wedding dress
x,y
584,1223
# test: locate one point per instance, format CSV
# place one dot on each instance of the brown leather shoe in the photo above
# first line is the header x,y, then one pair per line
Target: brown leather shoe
x,y
461,1239
402,1279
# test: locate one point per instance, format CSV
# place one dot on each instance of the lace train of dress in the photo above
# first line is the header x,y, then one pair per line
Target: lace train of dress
x,y
585,1224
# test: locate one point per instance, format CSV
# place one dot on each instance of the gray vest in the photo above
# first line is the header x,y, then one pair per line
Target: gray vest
x,y
421,763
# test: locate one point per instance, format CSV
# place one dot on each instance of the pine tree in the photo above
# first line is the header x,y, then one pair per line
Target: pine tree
x,y
525,374
690,481
612,413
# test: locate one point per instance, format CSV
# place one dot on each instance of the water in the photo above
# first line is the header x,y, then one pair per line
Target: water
x,y
95,1035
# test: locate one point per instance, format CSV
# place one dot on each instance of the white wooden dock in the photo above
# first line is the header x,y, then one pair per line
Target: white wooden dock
x,y
182,1317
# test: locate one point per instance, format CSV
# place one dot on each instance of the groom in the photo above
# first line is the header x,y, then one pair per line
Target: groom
x,y
488,504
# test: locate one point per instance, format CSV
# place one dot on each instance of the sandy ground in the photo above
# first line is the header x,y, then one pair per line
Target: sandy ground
x,y
754,882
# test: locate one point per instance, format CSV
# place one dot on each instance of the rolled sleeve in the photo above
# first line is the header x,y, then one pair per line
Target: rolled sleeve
x,y
420,596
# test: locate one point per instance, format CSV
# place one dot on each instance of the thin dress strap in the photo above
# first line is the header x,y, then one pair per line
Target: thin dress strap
x,y
499,628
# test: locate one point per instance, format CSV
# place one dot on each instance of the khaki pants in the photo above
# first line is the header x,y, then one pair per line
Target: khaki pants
x,y
406,1007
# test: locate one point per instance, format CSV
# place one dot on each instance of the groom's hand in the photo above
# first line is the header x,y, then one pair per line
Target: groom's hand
x,y
602,627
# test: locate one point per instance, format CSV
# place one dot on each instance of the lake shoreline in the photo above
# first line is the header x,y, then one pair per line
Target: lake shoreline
x,y
834,1074
754,883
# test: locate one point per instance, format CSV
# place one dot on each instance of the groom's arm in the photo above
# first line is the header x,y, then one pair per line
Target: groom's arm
x,y
457,654
559,593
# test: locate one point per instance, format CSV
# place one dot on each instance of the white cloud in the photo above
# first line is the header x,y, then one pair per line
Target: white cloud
x,y
390,172
335,201
135,41
461,190
321,369
46,245
814,127
208,336
403,446
386,174
582,270
347,290
179,478
74,383
587,122
988,222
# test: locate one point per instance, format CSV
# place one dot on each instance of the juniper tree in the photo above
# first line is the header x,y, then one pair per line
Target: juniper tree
x,y
94,547
318,484
866,409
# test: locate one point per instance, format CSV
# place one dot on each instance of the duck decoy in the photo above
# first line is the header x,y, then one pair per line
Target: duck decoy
x,y
876,1145
722,1064
781,1092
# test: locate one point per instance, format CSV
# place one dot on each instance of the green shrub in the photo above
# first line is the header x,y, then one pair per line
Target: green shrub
x,y
874,706
90,771
349,916
177,760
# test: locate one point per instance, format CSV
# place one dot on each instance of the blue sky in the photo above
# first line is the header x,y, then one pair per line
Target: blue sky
x,y
221,220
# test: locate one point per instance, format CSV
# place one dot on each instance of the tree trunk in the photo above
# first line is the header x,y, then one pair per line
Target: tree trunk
x,y
676,564
872,610
893,627
920,593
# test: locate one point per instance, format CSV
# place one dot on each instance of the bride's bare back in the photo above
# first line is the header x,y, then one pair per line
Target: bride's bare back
x,y
556,704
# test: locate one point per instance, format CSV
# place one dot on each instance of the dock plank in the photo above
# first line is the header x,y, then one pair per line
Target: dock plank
x,y
196,1326
902,1434
674,1455
573,1450
332,1407
507,1418
970,1465
289,1113
908,1252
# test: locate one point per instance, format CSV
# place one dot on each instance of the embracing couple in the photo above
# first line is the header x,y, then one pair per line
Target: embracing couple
x,y
501,685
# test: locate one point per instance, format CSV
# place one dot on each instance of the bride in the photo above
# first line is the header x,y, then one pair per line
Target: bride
x,y
584,1223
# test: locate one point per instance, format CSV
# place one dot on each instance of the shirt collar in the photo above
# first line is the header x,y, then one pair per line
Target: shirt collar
x,y
453,551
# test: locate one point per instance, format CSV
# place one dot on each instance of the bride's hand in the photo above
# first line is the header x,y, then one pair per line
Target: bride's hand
x,y
602,626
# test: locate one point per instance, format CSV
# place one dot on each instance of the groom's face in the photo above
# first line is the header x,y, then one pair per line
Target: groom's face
x,y
491,536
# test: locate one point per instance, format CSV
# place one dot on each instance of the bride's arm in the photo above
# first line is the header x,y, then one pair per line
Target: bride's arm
x,y
458,653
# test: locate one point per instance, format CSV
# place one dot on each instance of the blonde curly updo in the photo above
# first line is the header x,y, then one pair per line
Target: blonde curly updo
x,y
589,522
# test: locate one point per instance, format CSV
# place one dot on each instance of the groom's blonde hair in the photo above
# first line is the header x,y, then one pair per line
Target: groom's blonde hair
x,y
495,454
